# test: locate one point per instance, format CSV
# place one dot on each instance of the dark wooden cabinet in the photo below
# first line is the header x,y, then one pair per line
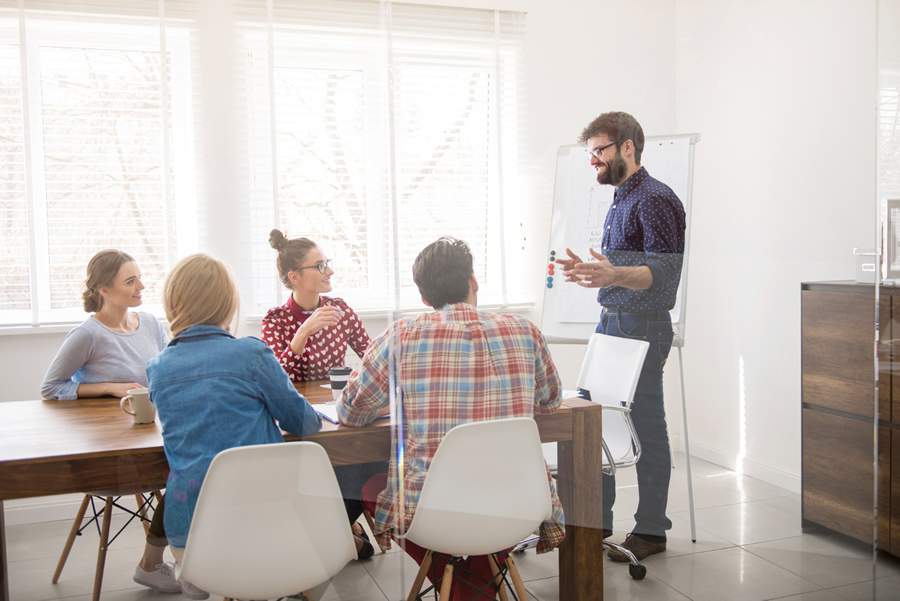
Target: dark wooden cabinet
x,y
838,360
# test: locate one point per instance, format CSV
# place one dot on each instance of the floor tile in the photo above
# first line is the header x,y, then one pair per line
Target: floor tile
x,y
393,573
885,589
824,595
537,567
29,580
135,594
617,586
819,558
46,540
732,574
353,584
745,523
790,503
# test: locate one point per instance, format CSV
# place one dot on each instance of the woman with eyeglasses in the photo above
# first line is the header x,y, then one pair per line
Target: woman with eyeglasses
x,y
310,332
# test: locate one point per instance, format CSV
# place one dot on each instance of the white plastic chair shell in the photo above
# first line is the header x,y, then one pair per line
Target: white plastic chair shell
x,y
610,372
269,522
486,489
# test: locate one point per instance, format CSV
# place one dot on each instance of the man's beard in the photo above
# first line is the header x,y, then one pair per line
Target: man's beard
x,y
615,172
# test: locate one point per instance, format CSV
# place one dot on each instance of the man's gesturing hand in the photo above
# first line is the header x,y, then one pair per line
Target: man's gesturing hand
x,y
592,274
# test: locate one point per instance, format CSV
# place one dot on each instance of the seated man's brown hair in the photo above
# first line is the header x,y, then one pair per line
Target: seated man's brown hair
x,y
442,272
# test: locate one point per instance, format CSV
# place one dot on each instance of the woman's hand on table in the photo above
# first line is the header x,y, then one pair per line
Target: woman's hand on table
x,y
120,389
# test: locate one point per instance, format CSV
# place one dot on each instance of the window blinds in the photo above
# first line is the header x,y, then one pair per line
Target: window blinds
x,y
370,127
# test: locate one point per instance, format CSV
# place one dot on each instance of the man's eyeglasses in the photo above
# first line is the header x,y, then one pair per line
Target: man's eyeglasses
x,y
320,266
598,151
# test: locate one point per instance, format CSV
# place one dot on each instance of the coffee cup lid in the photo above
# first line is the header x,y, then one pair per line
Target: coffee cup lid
x,y
340,371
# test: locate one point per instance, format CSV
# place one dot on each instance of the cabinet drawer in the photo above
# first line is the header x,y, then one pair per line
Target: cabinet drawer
x,y
838,471
837,354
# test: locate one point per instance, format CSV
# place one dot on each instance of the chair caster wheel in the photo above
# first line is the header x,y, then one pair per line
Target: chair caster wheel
x,y
637,571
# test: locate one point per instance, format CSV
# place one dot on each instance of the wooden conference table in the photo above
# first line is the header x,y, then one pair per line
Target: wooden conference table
x,y
59,447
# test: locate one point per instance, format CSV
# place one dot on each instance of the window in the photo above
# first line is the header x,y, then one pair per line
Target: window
x,y
98,172
404,119
370,127
15,277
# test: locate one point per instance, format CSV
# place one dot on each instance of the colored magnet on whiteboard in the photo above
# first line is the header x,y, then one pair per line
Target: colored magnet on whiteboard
x,y
550,269
549,279
549,284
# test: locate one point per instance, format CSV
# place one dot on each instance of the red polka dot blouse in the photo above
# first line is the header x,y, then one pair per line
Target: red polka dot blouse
x,y
324,349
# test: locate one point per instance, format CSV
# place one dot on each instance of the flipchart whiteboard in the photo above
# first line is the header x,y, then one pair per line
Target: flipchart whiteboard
x,y
570,312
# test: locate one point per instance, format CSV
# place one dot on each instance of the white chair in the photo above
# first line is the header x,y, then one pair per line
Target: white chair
x,y
610,372
486,489
269,523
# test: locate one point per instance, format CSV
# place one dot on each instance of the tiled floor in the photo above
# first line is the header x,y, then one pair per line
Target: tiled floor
x,y
749,548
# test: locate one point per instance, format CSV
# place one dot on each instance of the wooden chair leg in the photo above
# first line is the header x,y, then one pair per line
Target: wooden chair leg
x,y
498,579
142,511
101,552
420,577
73,532
371,522
446,581
516,578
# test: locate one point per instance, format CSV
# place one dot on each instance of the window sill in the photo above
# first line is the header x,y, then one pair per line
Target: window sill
x,y
407,311
254,320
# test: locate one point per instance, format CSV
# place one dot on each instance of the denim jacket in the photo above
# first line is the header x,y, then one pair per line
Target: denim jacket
x,y
214,392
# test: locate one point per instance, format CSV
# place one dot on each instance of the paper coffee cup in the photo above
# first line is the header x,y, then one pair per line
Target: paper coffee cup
x,y
338,376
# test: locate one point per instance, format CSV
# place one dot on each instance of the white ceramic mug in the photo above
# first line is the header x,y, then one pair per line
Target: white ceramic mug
x,y
137,403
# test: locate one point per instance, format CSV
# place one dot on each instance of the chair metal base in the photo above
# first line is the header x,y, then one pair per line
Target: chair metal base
x,y
636,569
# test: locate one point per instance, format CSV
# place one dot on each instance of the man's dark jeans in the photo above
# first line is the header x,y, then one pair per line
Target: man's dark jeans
x,y
649,417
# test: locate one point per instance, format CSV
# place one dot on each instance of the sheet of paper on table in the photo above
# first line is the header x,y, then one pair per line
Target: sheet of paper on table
x,y
329,411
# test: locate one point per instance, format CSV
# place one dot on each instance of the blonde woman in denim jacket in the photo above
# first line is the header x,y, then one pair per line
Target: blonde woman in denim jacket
x,y
213,391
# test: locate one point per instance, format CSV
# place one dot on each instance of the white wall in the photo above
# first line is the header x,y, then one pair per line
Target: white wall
x,y
784,96
583,59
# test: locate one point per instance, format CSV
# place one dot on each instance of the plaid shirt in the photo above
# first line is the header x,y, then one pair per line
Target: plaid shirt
x,y
455,366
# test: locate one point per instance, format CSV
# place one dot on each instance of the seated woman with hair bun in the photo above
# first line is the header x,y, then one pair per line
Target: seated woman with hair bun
x,y
309,335
310,332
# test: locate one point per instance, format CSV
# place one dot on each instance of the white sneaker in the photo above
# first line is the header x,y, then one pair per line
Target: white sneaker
x,y
162,579
192,592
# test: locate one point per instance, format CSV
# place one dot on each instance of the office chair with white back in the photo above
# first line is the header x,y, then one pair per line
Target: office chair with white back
x,y
610,372
268,533
464,511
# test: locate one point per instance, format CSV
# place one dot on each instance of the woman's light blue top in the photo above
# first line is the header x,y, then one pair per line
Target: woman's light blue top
x,y
93,353
214,392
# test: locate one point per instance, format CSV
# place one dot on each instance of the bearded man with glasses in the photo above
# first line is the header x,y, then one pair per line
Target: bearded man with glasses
x,y
636,271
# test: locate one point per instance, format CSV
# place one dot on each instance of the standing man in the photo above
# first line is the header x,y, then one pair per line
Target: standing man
x,y
637,273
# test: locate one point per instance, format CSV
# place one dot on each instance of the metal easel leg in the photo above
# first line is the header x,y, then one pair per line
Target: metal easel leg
x,y
687,447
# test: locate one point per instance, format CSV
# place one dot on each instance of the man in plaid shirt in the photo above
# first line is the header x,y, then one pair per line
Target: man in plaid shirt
x,y
454,366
